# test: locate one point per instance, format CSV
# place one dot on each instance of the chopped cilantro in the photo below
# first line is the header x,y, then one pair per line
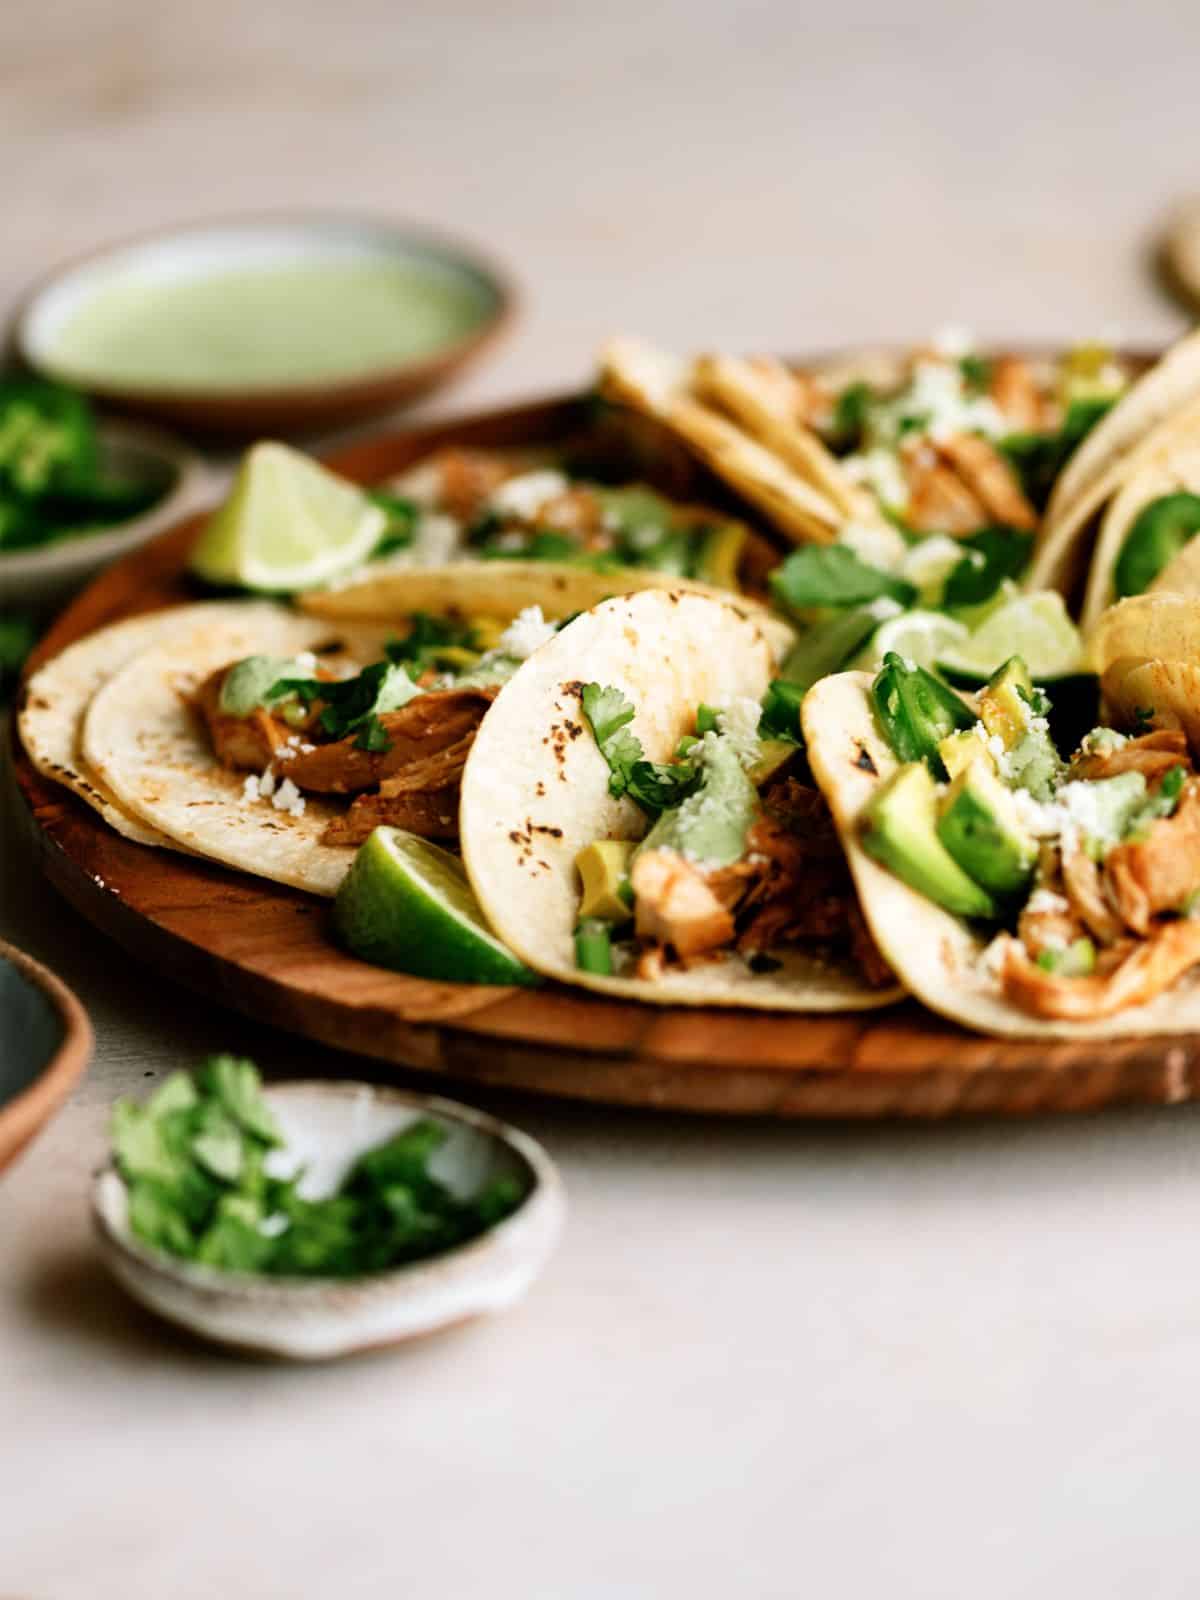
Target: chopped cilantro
x,y
655,788
850,418
1038,458
427,638
832,575
976,372
354,704
989,557
401,526
193,1158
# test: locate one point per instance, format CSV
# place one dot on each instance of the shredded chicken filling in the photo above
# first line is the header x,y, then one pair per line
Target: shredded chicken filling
x,y
791,887
1134,904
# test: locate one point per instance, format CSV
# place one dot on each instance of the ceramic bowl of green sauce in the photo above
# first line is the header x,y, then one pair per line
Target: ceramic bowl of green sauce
x,y
265,324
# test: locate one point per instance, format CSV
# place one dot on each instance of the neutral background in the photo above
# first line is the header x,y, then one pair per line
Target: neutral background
x,y
768,1360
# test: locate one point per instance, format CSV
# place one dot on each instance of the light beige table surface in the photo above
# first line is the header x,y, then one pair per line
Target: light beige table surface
x,y
768,1360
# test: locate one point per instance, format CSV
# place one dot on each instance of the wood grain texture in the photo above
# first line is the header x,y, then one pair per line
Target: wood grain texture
x,y
266,950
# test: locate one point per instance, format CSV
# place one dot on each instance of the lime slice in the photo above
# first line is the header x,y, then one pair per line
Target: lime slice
x,y
406,904
919,636
288,524
1035,627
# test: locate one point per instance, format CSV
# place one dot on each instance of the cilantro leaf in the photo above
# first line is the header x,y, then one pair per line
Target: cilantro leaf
x,y
653,787
193,1160
427,636
400,528
833,575
355,703
850,413
989,557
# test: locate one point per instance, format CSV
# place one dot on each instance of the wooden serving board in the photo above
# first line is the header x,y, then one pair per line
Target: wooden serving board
x,y
266,950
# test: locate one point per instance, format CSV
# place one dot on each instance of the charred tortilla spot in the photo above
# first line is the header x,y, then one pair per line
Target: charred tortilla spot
x,y
863,760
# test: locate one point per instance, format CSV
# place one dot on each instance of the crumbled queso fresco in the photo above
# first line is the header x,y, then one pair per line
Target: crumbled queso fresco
x,y
524,496
283,796
527,632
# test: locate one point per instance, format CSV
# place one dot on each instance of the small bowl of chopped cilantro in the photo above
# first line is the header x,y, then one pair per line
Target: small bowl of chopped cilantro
x,y
77,492
311,1220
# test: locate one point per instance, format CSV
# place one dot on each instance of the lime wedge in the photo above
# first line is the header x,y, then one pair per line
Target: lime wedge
x,y
919,636
288,524
1035,627
406,904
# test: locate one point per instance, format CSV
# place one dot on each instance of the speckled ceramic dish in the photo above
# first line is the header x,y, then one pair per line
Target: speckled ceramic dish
x,y
329,1124
45,1043
239,406
41,578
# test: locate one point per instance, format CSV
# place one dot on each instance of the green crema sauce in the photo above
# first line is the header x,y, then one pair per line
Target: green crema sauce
x,y
268,325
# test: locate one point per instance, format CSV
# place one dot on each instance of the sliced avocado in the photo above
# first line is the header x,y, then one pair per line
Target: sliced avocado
x,y
454,657
980,828
959,750
773,754
603,868
900,831
1004,701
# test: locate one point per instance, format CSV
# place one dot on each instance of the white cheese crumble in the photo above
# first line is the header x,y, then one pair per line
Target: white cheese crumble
x,y
266,784
306,661
1043,819
436,540
288,798
738,723
422,483
527,632
525,495
1102,741
1044,902
937,393
875,543
880,471
884,607
250,789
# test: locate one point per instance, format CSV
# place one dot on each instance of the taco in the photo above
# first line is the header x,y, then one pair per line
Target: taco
x,y
635,819
1013,890
1159,394
1147,528
147,738
276,742
1147,653
657,385
56,698
536,511
1158,413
